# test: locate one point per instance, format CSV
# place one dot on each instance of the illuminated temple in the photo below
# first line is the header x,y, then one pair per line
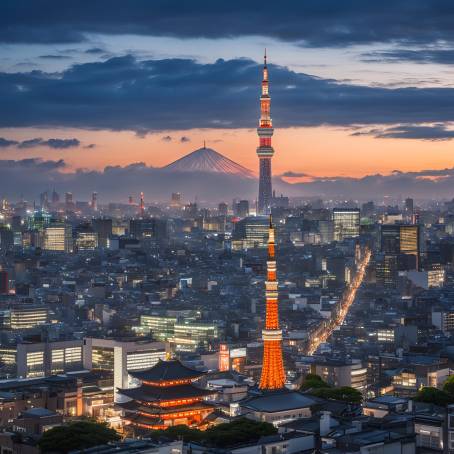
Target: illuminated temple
x,y
166,397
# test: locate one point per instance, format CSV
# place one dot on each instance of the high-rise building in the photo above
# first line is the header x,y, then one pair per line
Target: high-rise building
x,y
69,202
250,232
4,283
409,207
223,209
121,357
94,201
58,237
175,201
401,240
242,208
142,205
86,238
151,228
346,223
55,197
103,227
273,375
265,151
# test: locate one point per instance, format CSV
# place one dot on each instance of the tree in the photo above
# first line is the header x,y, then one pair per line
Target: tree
x,y
77,435
313,381
344,393
241,430
434,396
448,387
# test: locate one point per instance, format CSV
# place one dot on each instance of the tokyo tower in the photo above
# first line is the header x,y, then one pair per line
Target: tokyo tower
x,y
273,375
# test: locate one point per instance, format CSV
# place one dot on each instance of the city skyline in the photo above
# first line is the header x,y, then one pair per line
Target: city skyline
x,y
348,106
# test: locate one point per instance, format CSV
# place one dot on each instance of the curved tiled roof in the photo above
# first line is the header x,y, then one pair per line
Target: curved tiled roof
x,y
167,371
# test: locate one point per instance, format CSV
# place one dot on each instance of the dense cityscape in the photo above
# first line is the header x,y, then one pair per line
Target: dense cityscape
x,y
271,324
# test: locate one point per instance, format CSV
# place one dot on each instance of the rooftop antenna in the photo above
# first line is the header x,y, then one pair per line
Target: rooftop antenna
x,y
204,144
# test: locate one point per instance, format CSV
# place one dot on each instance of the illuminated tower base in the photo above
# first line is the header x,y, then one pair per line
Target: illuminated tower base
x,y
273,375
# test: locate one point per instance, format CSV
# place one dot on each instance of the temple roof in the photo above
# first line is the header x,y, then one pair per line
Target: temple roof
x,y
167,371
277,401
147,393
134,407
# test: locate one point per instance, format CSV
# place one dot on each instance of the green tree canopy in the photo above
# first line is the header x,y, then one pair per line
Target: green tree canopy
x,y
434,396
344,393
313,381
241,430
77,435
448,387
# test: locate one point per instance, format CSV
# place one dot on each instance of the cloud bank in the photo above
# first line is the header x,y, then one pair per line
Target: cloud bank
x,y
57,144
115,183
125,93
329,23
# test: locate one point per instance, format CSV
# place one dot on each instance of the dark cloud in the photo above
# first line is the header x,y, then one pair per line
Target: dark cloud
x,y
95,50
312,22
31,143
4,143
441,56
90,146
290,174
166,139
124,93
184,139
58,144
437,132
425,184
54,57
62,143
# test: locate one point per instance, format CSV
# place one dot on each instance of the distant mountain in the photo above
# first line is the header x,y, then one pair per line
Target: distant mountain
x,y
208,160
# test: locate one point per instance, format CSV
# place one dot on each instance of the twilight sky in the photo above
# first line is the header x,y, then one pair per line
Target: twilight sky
x,y
359,88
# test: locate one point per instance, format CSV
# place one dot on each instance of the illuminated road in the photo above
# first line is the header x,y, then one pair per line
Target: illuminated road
x,y
327,327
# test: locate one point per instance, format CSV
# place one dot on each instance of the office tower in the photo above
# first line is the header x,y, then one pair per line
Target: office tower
x,y
58,237
44,199
6,239
55,197
265,151
175,201
94,201
86,238
273,375
401,240
25,316
43,359
121,357
242,208
69,202
250,232
346,223
130,200
103,227
4,283
142,205
409,206
223,209
151,228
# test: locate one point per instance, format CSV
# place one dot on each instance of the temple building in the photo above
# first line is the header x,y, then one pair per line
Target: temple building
x,y
167,396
